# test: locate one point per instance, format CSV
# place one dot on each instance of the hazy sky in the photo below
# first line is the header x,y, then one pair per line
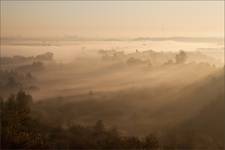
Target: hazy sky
x,y
112,19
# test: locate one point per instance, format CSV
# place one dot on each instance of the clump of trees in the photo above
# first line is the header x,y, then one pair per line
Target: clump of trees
x,y
134,61
35,66
48,56
20,130
111,54
45,57
12,81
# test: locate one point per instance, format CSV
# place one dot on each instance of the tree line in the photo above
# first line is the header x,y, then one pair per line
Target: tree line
x,y
20,130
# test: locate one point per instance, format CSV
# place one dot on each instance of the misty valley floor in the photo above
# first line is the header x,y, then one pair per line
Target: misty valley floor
x,y
175,102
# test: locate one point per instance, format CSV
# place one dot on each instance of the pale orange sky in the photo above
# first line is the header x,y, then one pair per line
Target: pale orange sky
x,y
112,19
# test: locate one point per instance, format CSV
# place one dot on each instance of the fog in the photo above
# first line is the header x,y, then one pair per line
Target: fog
x,y
137,87
68,50
112,75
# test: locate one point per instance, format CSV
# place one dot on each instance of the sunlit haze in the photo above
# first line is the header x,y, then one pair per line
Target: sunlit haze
x,y
112,19
142,75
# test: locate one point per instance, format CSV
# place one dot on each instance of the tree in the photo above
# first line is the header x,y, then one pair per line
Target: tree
x,y
29,76
37,65
99,127
132,143
181,57
12,83
151,142
134,61
45,57
19,130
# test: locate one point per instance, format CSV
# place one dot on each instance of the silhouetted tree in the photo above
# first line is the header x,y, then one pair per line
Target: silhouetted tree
x,y
99,126
19,130
151,142
181,57
12,83
132,143
47,56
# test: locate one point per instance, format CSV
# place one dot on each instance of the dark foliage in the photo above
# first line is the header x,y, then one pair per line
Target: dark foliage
x,y
20,131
